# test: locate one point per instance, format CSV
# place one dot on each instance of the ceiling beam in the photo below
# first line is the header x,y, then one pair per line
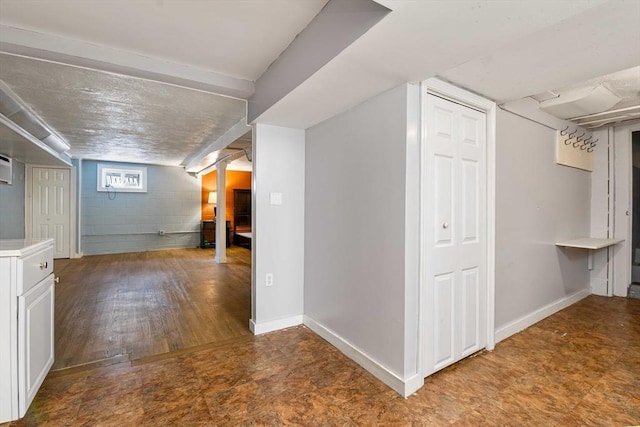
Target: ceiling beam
x,y
334,28
30,149
196,162
64,50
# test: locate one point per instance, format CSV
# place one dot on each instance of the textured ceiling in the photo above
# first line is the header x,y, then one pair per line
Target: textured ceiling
x,y
113,117
504,50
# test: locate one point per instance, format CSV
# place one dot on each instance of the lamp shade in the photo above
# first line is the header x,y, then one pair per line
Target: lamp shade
x,y
213,197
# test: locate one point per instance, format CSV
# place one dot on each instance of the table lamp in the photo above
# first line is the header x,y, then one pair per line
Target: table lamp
x,y
213,199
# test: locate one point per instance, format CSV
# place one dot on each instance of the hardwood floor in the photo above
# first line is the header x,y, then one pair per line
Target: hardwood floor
x,y
579,367
136,305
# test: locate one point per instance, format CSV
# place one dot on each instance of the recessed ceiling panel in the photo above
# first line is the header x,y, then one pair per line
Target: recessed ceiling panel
x,y
112,117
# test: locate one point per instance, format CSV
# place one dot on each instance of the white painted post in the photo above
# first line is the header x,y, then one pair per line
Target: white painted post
x,y
221,214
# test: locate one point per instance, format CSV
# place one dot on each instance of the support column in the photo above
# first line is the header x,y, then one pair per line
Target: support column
x,y
221,214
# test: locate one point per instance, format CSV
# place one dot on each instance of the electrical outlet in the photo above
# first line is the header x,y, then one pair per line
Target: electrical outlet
x,y
161,232
269,279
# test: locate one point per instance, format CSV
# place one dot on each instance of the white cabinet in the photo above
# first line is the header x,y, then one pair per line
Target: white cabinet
x,y
26,322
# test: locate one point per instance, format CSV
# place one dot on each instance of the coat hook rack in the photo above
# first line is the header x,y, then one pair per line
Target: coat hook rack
x,y
577,148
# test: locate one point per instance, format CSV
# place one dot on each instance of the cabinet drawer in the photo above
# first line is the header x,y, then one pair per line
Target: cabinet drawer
x,y
33,268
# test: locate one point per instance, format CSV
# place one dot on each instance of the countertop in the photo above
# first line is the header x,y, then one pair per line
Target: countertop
x,y
22,247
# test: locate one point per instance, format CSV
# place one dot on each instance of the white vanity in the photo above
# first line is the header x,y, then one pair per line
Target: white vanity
x,y
26,322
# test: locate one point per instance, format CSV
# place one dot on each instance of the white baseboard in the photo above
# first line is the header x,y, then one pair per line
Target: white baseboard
x,y
536,316
274,325
402,387
77,255
413,384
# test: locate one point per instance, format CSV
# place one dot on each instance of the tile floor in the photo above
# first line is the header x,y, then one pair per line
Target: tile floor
x,y
578,367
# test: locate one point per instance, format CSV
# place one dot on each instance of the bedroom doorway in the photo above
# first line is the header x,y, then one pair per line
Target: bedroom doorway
x,y
242,218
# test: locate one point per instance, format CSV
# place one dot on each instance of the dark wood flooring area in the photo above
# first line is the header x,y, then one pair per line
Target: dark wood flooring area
x,y
579,367
134,305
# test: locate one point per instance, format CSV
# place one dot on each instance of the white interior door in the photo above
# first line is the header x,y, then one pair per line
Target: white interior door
x,y
455,227
50,209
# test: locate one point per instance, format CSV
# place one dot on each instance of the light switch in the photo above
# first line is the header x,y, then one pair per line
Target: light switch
x,y
275,198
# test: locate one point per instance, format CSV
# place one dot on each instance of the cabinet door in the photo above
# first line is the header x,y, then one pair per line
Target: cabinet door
x,y
35,340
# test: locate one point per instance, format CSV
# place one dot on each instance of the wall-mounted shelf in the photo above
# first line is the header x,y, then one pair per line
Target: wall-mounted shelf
x,y
590,243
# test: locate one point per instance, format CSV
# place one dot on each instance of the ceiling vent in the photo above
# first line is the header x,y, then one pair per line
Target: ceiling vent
x,y
580,102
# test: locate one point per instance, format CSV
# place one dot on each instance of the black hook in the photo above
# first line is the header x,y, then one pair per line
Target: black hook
x,y
571,134
579,138
563,132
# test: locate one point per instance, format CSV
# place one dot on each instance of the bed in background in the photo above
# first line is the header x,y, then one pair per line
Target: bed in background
x,y
242,218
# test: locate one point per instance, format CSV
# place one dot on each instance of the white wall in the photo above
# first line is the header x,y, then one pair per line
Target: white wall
x,y
361,283
537,204
278,230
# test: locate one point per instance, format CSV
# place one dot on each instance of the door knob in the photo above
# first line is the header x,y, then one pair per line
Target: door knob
x,y
445,225
57,279
44,265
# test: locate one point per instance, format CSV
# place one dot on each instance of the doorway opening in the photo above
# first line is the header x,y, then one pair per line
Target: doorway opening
x,y
139,305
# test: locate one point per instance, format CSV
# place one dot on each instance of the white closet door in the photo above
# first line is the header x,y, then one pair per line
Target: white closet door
x,y
50,209
455,220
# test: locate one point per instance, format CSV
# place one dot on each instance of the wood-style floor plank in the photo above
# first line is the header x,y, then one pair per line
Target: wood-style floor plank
x,y
579,367
147,303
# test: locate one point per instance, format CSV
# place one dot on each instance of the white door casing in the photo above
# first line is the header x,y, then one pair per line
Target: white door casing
x,y
622,259
50,208
454,233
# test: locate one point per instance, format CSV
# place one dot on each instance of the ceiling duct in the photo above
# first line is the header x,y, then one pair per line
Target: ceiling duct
x,y
581,102
16,111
